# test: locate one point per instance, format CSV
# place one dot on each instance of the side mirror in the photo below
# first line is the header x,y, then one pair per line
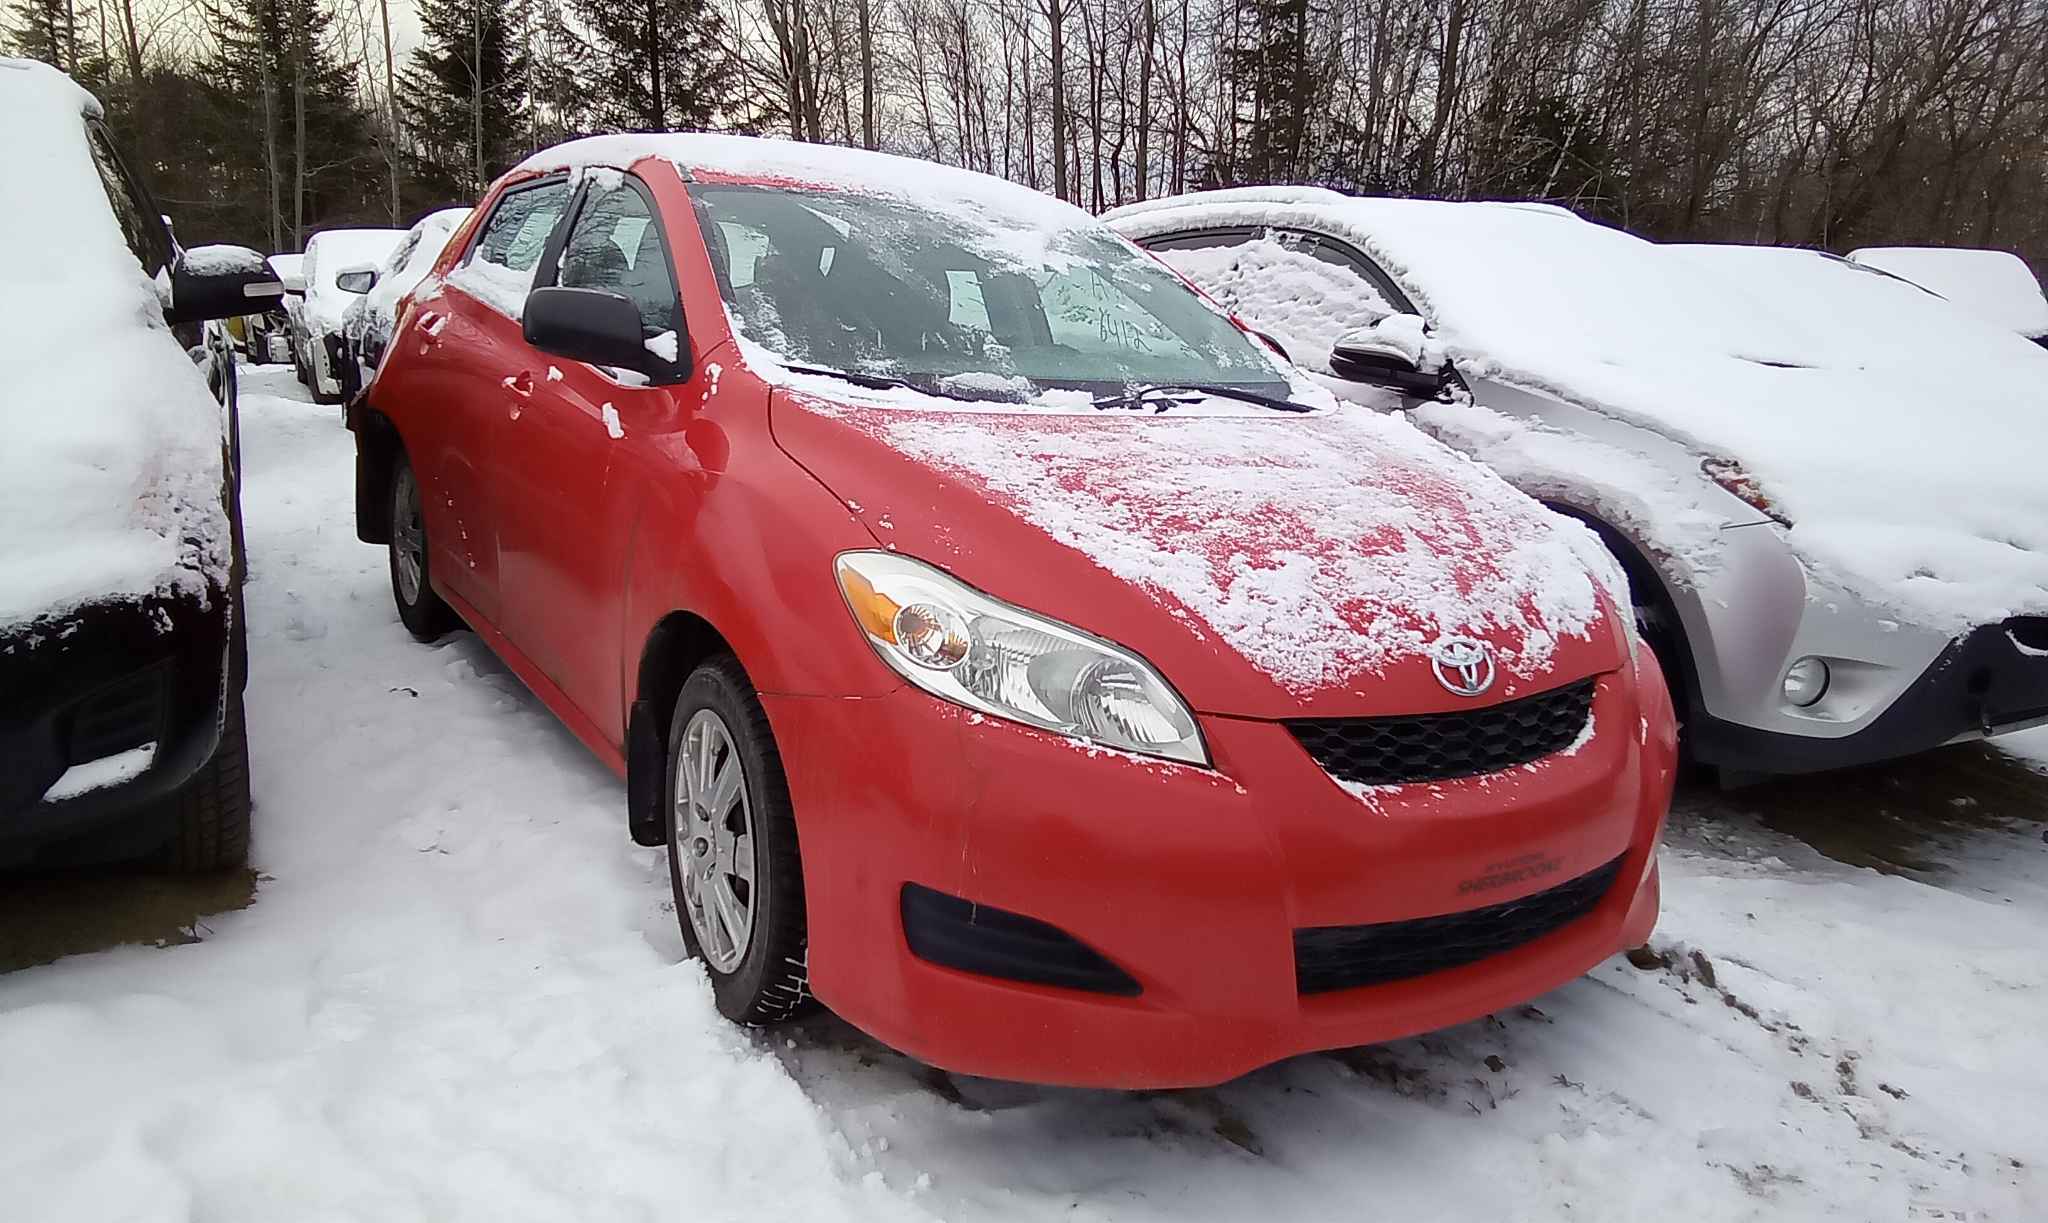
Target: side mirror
x,y
359,279
599,327
1389,353
218,282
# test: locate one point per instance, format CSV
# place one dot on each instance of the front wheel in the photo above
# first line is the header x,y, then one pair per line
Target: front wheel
x,y
212,810
732,849
422,612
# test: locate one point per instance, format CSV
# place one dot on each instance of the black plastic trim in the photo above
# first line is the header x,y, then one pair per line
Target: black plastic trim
x,y
955,933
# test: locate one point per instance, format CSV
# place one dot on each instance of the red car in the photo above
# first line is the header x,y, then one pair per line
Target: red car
x,y
1010,654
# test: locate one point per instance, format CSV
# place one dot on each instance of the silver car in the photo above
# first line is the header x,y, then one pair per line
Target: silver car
x,y
1835,540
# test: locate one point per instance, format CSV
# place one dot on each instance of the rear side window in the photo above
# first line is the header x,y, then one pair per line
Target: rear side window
x,y
616,244
1283,282
519,227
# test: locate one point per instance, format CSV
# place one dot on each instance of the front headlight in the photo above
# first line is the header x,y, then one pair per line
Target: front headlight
x,y
957,643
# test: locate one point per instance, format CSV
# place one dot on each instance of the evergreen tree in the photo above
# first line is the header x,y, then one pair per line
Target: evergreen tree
x,y
659,65
464,94
294,139
53,31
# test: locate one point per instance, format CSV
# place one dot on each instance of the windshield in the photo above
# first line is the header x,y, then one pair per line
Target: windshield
x,y
958,302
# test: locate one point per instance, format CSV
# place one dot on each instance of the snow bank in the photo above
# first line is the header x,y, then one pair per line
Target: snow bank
x,y
1322,549
110,474
1910,468
1996,286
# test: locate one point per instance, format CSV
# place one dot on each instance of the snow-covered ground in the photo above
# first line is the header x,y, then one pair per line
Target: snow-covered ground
x,y
460,995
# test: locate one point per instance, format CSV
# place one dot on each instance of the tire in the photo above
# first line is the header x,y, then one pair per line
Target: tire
x,y
212,810
422,612
761,978
323,397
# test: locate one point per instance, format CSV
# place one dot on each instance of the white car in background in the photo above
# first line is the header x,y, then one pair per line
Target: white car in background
x,y
1824,483
339,266
1996,286
369,320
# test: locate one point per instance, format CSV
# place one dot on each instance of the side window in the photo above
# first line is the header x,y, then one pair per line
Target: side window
x,y
1325,295
519,228
140,225
616,244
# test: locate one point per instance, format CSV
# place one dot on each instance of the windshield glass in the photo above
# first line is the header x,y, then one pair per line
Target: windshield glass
x,y
958,302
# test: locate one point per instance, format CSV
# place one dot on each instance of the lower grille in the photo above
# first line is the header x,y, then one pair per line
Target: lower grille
x,y
1345,957
126,713
1441,746
956,933
2029,632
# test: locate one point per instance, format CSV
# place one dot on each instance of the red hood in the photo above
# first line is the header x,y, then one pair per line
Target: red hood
x,y
1268,565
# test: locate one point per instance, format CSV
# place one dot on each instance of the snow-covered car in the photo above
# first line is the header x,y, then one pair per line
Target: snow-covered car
x,y
122,648
1996,286
1834,520
339,266
367,323
1143,714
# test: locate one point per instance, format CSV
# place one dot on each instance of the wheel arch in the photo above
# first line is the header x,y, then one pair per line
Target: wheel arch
x,y
677,645
1674,653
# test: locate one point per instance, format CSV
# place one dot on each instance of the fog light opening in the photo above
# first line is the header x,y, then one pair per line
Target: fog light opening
x,y
1806,681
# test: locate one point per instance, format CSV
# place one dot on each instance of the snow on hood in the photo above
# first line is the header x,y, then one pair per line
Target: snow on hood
x,y
1322,550
110,476
1996,286
1905,447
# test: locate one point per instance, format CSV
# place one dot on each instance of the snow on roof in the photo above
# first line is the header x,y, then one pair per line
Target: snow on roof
x,y
1997,286
754,158
1909,465
111,472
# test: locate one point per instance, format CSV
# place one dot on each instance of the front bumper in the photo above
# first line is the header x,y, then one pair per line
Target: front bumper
x,y
88,690
1987,682
1195,884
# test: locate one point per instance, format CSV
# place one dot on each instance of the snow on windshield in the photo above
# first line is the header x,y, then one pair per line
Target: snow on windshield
x,y
1910,469
885,286
110,476
1996,286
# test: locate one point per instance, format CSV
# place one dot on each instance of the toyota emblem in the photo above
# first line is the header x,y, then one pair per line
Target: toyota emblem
x,y
1463,666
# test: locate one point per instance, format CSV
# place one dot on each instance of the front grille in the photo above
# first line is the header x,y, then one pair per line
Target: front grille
x,y
1439,746
1345,957
994,942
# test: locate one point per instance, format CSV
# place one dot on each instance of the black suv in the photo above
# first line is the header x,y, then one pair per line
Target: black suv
x,y
121,678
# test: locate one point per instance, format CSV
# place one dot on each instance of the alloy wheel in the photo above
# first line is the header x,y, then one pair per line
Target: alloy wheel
x,y
714,840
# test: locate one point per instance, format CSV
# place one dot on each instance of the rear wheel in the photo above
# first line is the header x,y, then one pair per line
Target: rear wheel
x,y
732,849
423,613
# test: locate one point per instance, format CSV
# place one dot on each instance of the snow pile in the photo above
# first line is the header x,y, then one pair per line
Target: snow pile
x,y
1996,286
1911,470
375,314
1321,549
110,472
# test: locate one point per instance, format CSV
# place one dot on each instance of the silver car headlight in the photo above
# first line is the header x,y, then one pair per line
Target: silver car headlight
x,y
963,646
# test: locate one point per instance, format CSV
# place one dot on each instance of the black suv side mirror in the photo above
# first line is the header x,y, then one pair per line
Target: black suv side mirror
x,y
597,326
217,282
1389,353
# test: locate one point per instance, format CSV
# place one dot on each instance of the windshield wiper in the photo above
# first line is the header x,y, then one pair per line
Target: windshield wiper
x,y
878,382
1138,396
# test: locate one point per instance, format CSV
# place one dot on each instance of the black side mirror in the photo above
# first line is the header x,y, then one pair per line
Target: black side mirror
x,y
217,282
1389,353
356,279
597,326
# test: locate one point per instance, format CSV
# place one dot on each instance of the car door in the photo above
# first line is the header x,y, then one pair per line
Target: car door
x,y
566,514
468,343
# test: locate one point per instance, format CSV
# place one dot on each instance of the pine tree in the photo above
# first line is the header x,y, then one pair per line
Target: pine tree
x,y
465,93
294,135
56,33
660,65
